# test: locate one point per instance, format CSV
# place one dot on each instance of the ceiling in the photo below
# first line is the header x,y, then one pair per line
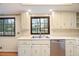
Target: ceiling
x,y
17,8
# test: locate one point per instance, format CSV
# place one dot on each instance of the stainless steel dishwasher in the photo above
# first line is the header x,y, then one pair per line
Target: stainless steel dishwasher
x,y
57,47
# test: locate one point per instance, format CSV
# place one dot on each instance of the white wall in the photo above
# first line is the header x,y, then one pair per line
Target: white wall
x,y
8,44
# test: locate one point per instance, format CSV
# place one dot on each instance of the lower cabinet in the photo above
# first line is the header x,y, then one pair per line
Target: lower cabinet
x,y
36,50
77,47
77,51
45,50
70,47
69,50
24,50
40,48
43,47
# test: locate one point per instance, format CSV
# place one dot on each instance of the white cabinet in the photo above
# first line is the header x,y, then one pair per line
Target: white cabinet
x,y
69,50
64,20
70,47
34,48
40,50
77,47
45,50
24,50
56,20
77,51
40,47
25,21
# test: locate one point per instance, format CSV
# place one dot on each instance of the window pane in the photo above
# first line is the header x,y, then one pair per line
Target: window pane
x,y
34,21
7,29
7,26
46,30
40,25
42,20
34,30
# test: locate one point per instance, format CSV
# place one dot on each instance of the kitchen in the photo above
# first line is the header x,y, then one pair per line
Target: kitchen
x,y
39,30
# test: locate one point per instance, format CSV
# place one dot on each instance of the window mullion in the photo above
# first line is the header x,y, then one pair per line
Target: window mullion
x,y
14,27
44,26
11,27
40,24
3,27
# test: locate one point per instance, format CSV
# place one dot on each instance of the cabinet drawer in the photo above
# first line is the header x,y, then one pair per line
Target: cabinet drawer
x,y
24,42
41,42
77,42
69,41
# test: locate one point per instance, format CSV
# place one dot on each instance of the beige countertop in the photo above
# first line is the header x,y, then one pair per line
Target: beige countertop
x,y
51,37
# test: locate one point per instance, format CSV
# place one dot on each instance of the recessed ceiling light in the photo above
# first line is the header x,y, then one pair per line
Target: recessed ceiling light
x,y
50,10
29,10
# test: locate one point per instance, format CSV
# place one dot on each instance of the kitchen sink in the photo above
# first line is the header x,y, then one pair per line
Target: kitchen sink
x,y
40,36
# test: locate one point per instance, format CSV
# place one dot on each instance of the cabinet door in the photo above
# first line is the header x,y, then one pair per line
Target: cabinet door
x,y
57,20
77,50
69,50
24,50
21,50
64,20
69,19
36,50
24,21
45,50
77,47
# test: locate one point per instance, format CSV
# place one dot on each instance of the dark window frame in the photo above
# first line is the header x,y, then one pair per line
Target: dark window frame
x,y
48,17
4,18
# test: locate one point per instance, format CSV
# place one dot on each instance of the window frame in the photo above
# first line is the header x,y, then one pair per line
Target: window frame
x,y
3,18
39,18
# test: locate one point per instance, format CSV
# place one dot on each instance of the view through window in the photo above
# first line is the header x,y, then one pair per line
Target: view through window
x,y
7,26
40,25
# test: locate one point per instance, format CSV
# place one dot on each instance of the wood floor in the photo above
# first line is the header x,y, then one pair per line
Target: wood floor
x,y
8,53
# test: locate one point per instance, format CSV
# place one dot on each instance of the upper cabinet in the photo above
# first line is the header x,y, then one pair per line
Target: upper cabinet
x,y
25,21
64,20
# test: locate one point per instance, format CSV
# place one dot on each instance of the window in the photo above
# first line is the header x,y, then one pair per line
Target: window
x,y
40,25
7,26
